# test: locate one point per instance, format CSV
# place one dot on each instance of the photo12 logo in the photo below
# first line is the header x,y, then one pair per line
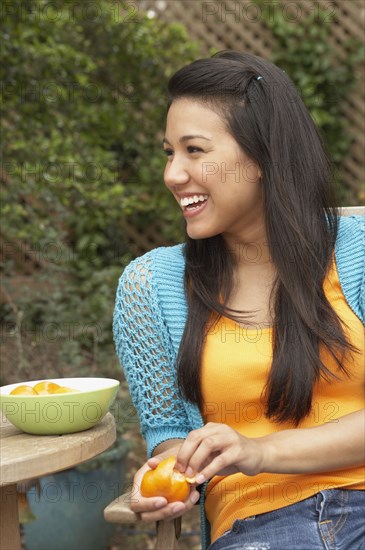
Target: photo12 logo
x,y
52,332
88,11
53,412
254,12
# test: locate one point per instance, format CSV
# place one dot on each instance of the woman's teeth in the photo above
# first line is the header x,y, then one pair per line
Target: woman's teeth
x,y
186,201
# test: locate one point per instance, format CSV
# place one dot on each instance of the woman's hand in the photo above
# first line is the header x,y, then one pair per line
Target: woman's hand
x,y
156,508
217,449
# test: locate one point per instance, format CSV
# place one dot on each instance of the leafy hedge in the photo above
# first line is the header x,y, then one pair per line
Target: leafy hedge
x,y
84,87
303,48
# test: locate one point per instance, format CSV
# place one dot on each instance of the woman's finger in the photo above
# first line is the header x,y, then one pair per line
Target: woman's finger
x,y
154,461
191,445
204,445
221,465
172,510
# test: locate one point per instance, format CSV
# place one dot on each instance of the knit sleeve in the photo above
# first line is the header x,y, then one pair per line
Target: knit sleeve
x,y
146,355
361,223
350,256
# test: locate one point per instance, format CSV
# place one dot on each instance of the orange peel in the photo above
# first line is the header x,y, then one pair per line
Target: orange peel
x,y
166,481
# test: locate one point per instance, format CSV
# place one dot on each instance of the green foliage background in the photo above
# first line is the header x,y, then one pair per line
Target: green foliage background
x,y
305,51
84,102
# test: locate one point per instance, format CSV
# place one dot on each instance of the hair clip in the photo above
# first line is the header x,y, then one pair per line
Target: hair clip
x,y
259,77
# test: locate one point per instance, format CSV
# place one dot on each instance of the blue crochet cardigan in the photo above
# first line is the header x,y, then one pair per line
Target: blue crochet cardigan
x,y
149,319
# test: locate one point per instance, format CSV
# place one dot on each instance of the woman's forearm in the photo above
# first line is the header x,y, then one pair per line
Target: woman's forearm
x,y
167,445
331,446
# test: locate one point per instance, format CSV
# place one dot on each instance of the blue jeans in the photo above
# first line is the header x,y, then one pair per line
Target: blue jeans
x,y
330,520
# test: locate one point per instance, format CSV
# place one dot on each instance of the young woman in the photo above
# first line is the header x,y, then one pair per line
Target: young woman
x,y
244,347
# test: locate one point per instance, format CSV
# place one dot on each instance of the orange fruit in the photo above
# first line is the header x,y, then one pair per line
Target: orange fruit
x,y
64,389
45,388
166,482
23,390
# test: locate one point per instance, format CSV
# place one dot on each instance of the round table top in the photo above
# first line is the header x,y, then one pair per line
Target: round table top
x,y
24,456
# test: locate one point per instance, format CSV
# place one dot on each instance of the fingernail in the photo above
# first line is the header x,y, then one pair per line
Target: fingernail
x,y
159,503
200,478
189,472
195,497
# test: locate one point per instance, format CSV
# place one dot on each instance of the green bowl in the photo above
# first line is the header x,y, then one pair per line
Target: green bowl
x,y
60,413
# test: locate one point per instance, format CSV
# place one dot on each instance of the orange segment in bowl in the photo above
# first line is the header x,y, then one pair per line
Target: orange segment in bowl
x,y
23,390
45,388
64,389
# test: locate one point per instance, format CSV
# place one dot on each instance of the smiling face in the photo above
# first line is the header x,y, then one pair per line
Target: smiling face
x,y
216,185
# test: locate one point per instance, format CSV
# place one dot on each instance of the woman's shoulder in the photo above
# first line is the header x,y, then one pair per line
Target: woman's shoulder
x,y
350,258
159,267
163,257
352,223
156,280
351,237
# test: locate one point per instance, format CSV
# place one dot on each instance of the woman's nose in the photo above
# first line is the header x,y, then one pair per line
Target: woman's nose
x,y
176,173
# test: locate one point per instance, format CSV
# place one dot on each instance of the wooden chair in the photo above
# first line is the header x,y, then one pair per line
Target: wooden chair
x,y
168,532
353,211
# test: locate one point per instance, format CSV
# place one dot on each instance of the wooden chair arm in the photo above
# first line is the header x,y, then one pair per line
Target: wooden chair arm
x,y
352,210
119,511
168,531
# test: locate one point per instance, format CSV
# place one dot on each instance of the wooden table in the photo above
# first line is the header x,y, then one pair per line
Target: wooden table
x,y
24,456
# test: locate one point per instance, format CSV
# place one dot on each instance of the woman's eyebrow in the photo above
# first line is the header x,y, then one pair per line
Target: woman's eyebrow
x,y
186,138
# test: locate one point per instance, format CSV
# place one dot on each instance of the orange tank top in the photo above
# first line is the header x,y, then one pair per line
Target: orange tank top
x,y
235,365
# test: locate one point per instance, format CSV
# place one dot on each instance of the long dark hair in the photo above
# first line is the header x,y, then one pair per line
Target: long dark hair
x,y
267,118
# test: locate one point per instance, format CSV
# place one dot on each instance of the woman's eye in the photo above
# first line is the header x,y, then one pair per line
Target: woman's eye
x,y
192,149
